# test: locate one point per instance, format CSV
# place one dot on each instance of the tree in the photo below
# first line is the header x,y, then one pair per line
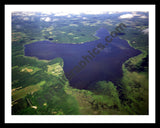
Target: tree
x,y
106,88
108,91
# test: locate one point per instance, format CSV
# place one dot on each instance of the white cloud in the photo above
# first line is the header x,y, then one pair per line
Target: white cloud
x,y
84,18
113,12
68,16
48,19
129,16
143,17
61,14
145,31
25,18
126,16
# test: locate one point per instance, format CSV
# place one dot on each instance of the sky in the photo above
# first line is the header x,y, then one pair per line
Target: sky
x,y
77,9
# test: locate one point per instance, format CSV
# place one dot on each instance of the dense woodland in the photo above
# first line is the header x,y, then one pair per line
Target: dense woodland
x,y
39,87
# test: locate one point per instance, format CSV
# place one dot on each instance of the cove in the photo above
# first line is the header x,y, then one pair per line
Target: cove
x,y
107,65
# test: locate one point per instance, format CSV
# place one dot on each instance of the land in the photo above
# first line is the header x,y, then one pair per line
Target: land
x,y
39,87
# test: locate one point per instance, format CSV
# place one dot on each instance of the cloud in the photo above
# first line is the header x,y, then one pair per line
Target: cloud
x,y
145,31
61,14
129,16
143,17
126,16
47,19
25,18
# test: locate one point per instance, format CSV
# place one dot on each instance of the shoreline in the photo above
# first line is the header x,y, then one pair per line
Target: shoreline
x,y
42,39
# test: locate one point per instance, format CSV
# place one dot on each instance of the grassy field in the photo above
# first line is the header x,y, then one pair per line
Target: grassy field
x,y
22,92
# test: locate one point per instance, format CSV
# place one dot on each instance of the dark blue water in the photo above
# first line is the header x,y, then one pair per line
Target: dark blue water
x,y
105,65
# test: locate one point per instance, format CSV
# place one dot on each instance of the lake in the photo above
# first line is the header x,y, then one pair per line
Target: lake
x,y
107,65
